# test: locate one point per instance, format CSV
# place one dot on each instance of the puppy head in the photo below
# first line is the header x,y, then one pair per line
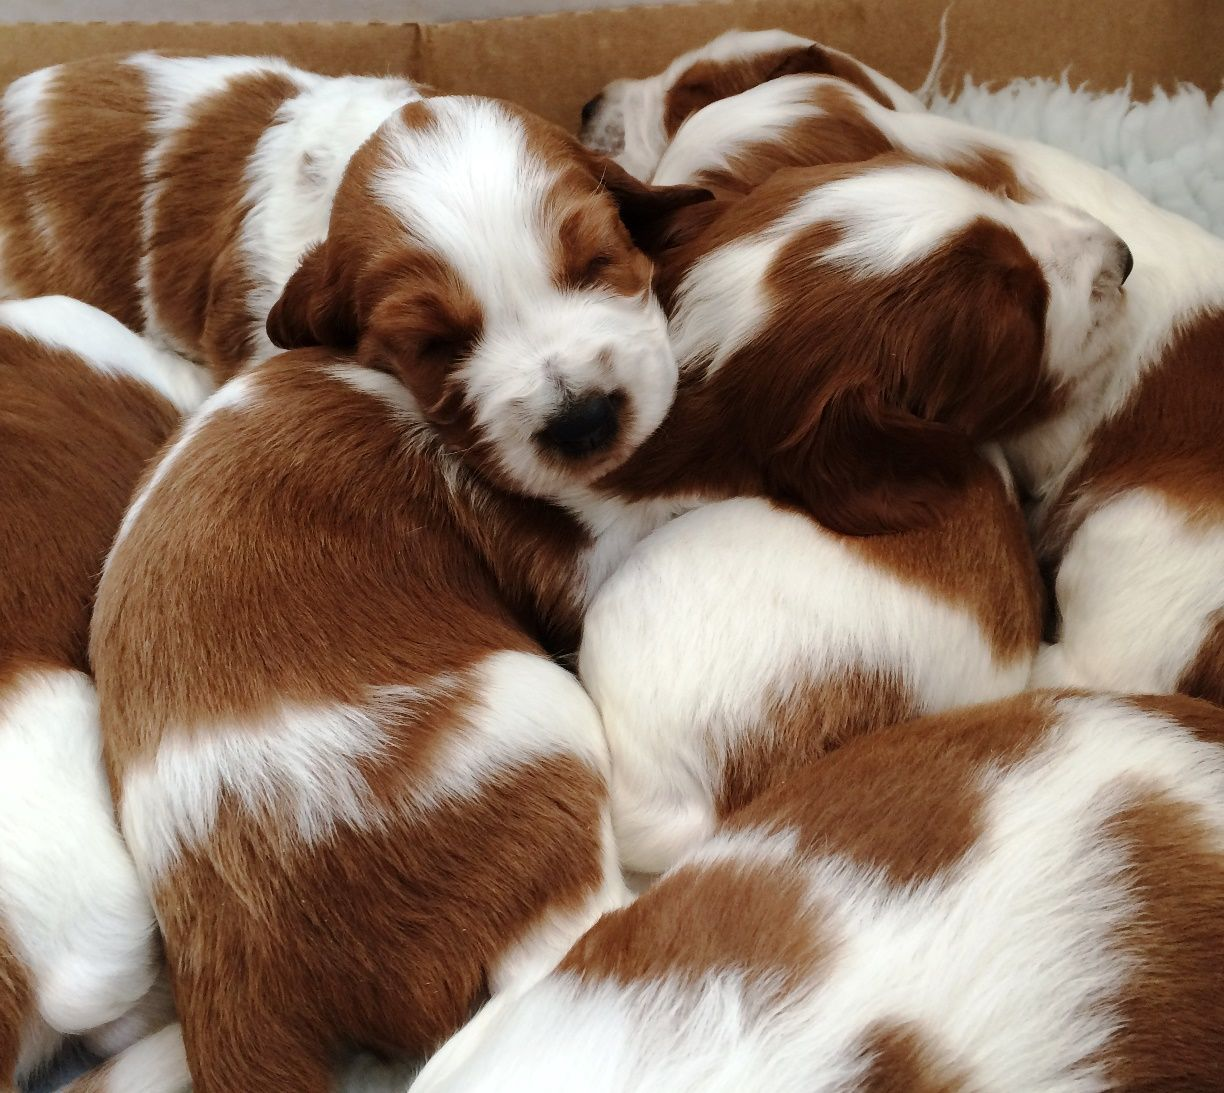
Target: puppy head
x,y
488,261
871,324
633,120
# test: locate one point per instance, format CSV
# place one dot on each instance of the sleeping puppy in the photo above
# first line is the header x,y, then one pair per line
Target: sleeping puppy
x,y
1129,501
84,406
177,193
849,338
1023,896
633,120
359,790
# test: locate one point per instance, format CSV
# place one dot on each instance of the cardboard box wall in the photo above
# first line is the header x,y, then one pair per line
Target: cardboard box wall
x,y
554,63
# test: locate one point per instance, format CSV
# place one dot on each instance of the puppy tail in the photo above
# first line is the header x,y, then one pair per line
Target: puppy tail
x,y
156,1064
930,86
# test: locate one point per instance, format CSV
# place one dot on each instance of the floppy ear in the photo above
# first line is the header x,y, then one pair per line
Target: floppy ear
x,y
648,212
315,307
862,468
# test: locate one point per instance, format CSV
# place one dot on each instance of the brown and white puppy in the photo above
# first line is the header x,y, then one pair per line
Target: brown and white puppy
x,y
848,338
1022,896
1130,504
633,120
84,405
360,791
177,193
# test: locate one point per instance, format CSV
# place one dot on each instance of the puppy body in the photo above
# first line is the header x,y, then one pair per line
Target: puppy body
x,y
1125,475
1023,896
86,404
177,193
743,640
359,790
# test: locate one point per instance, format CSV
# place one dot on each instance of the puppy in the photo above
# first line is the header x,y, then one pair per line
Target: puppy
x,y
1021,896
859,331
358,788
84,405
633,120
177,193
1128,514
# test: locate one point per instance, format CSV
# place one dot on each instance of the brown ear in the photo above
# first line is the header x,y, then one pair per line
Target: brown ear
x,y
315,308
648,212
868,469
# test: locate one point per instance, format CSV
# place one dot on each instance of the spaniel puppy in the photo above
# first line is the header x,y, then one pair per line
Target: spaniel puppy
x,y
177,193
359,790
633,120
84,405
1022,896
858,332
1130,507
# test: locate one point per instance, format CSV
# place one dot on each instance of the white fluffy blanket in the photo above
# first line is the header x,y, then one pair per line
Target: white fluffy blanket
x,y
1171,149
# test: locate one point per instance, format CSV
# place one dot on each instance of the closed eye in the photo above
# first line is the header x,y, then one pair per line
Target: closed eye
x,y
444,350
595,268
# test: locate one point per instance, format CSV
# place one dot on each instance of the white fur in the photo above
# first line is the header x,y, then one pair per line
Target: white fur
x,y
469,189
295,171
1140,587
1006,962
156,1064
69,895
304,763
727,607
107,345
22,111
628,123
1170,147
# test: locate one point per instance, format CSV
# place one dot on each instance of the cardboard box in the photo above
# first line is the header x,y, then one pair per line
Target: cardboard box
x,y
554,63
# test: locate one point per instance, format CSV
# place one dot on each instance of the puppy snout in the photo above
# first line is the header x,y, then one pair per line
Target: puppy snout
x,y
583,426
588,111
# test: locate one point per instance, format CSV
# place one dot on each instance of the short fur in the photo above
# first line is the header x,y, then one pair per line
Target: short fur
x,y
177,193
84,406
1023,896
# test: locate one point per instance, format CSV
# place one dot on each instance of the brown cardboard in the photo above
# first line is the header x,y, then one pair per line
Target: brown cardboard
x,y
553,63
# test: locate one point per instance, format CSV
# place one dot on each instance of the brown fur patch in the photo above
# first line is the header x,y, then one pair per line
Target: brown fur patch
x,y
852,804
1172,1010
708,81
198,276
752,919
977,558
84,187
904,1061
1204,678
76,442
16,1007
860,398
1167,437
308,547
800,725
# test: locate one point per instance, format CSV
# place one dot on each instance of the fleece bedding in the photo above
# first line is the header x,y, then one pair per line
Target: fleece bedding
x,y
1170,148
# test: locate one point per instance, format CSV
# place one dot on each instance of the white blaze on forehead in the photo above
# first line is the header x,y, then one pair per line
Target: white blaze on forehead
x,y
889,218
735,45
304,765
467,188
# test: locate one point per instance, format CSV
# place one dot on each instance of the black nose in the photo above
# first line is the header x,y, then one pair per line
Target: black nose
x,y
1128,261
588,111
582,426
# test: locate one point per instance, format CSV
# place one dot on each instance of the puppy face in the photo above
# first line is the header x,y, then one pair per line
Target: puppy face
x,y
633,120
488,261
869,324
